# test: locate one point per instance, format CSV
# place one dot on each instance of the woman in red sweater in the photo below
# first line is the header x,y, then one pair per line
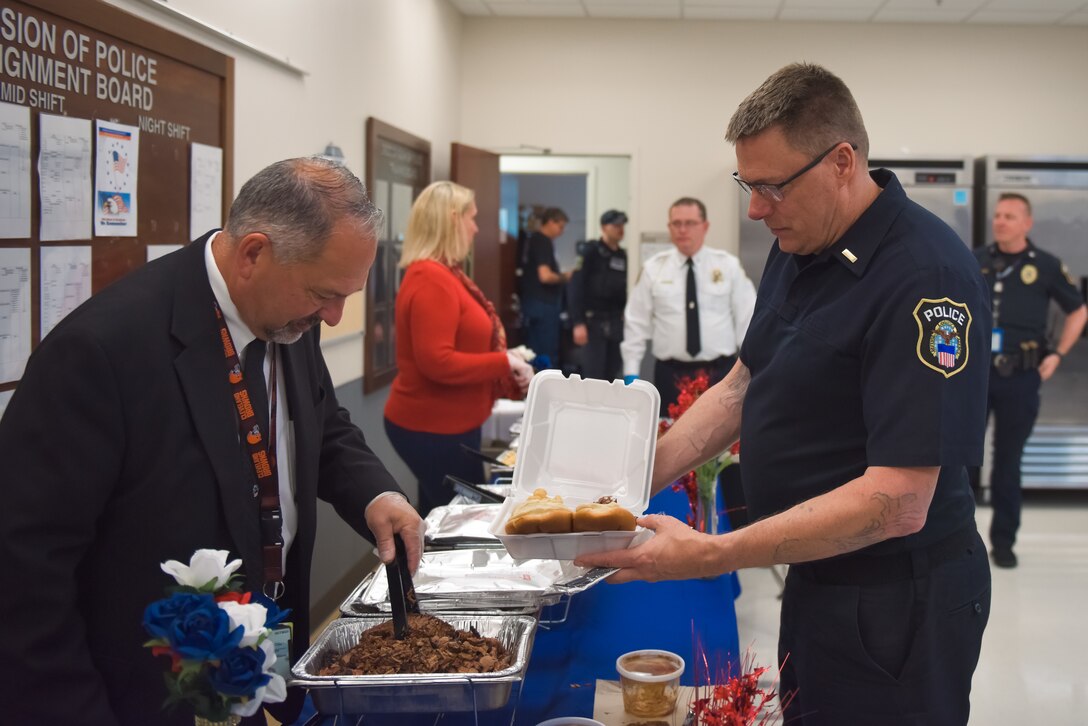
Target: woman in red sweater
x,y
451,348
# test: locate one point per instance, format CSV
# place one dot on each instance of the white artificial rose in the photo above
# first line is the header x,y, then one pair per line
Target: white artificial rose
x,y
251,617
205,566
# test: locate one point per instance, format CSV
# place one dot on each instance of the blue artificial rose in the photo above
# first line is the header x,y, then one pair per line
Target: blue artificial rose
x,y
240,672
160,616
203,633
275,615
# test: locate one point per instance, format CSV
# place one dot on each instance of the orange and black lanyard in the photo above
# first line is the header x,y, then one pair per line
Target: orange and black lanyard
x,y
263,457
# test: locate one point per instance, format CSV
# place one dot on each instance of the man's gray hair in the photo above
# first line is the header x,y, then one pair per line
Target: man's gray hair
x,y
297,202
810,104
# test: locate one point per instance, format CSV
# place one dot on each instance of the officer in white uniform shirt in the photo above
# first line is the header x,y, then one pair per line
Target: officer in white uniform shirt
x,y
695,313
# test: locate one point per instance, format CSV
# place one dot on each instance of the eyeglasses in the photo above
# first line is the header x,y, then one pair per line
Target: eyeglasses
x,y
685,223
773,192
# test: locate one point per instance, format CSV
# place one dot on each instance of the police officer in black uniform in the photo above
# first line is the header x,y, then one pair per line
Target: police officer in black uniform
x,y
1023,279
860,390
598,294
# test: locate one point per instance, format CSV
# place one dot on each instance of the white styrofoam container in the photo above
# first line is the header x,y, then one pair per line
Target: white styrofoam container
x,y
582,439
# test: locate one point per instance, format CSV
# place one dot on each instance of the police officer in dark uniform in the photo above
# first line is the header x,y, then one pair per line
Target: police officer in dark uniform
x,y
1023,279
860,391
598,294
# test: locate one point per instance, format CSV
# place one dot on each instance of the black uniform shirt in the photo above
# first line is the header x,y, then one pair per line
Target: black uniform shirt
x,y
872,353
541,251
599,285
1029,281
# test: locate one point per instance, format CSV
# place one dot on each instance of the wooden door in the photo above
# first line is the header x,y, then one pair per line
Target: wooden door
x,y
493,259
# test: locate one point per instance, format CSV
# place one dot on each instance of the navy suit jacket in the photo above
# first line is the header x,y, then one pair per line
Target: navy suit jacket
x,y
119,450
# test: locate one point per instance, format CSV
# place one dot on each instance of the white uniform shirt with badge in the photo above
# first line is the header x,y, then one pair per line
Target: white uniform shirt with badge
x,y
655,309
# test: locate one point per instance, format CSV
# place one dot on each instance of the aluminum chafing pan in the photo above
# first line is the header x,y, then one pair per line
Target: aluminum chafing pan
x,y
414,693
477,580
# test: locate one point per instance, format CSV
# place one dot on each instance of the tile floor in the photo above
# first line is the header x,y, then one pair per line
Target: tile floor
x,y
1034,664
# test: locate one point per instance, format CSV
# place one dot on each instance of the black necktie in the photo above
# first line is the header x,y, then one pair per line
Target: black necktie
x,y
692,307
253,373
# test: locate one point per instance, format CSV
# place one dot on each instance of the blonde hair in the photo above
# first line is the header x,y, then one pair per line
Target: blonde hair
x,y
434,224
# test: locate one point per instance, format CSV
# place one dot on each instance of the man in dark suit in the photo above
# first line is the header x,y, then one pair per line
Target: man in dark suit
x,y
121,447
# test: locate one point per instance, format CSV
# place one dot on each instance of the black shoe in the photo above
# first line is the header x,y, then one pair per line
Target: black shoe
x,y
1003,557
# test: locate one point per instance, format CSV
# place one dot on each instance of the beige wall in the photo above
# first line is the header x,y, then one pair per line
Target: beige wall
x,y
663,91
396,60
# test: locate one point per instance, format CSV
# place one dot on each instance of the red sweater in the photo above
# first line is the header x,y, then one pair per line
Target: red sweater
x,y
446,369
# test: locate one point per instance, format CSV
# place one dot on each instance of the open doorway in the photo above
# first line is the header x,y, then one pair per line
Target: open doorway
x,y
584,187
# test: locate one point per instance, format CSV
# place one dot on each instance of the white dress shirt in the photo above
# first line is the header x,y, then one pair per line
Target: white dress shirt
x,y
242,336
655,308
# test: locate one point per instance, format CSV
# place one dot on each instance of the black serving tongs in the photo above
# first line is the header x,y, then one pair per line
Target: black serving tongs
x,y
482,456
402,594
472,491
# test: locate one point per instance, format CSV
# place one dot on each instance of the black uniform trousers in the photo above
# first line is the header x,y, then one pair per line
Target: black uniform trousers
x,y
859,648
601,353
668,372
1013,401
666,375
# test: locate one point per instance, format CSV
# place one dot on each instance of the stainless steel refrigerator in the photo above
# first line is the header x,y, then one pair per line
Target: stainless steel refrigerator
x,y
944,186
1056,455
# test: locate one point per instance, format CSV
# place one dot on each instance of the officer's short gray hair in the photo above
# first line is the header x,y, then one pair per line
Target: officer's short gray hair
x,y
297,202
810,104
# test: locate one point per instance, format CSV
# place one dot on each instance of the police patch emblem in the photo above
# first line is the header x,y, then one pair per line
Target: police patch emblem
x,y
1029,274
943,326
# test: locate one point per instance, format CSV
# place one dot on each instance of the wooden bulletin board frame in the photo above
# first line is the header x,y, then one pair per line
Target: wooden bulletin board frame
x,y
398,168
188,99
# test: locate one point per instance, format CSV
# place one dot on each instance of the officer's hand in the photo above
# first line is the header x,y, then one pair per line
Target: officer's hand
x,y
629,379
580,334
392,514
676,552
1049,366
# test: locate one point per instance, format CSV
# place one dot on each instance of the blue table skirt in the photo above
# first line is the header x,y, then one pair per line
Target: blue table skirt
x,y
603,623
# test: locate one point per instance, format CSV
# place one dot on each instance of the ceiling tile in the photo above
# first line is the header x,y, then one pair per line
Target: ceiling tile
x,y
831,15
537,9
1033,5
771,5
596,10
471,7
1080,18
921,16
944,5
718,12
831,5
1012,17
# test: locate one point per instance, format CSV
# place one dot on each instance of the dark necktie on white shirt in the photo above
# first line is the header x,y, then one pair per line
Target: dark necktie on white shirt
x,y
691,307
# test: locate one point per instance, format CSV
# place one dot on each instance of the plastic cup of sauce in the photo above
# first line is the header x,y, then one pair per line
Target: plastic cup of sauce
x,y
650,680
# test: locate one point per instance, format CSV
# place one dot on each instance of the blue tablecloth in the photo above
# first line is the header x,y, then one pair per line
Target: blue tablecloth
x,y
603,623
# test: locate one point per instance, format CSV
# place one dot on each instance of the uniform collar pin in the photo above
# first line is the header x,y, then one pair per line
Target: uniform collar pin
x,y
849,255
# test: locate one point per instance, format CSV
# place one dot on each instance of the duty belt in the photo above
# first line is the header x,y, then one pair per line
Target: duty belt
x,y
862,569
1025,359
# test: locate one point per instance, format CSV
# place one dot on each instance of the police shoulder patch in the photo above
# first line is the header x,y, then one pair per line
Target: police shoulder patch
x,y
942,334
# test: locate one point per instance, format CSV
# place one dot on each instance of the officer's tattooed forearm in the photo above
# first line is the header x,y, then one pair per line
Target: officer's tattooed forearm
x,y
891,514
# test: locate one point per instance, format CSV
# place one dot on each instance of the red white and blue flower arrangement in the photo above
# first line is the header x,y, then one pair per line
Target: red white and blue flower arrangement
x,y
218,639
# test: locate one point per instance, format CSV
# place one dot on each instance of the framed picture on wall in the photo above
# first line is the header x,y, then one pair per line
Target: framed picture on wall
x,y
398,167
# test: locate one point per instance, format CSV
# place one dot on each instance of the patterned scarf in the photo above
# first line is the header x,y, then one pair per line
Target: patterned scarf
x,y
505,387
